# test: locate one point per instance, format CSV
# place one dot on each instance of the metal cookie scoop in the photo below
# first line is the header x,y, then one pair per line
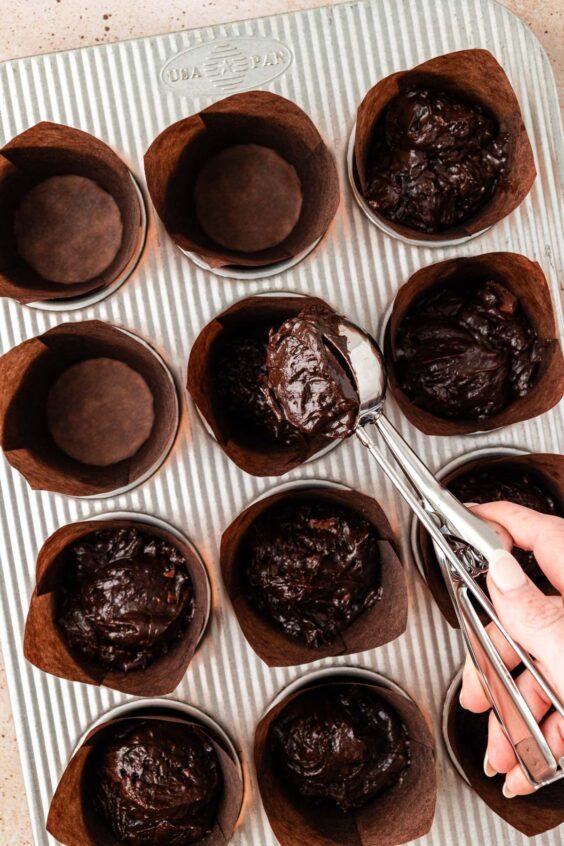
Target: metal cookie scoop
x,y
464,544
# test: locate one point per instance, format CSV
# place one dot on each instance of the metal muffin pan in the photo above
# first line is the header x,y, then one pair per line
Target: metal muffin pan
x,y
325,60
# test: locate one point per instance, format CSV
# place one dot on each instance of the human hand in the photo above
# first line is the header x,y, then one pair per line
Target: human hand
x,y
533,620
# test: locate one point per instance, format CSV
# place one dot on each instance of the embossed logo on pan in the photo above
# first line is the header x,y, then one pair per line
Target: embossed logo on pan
x,y
226,66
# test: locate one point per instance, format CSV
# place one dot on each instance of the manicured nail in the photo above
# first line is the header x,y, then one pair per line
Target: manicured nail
x,y
507,793
505,571
489,770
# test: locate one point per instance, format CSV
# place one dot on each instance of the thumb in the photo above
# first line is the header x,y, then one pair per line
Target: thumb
x,y
531,618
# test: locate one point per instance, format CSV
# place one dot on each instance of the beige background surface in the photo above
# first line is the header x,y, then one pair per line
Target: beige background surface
x,y
39,26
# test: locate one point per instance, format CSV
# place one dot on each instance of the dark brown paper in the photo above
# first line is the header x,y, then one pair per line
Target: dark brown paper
x,y
477,76
386,620
534,814
175,158
550,470
526,280
45,645
400,814
260,458
27,373
50,149
73,821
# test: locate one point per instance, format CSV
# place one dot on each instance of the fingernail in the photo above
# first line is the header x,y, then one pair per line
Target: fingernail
x,y
505,571
489,770
461,700
507,793
470,504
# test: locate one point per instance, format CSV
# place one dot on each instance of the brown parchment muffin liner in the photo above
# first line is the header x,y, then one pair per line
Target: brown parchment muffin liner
x,y
527,282
260,457
548,468
478,77
45,645
402,813
176,157
73,821
51,149
27,373
468,737
383,622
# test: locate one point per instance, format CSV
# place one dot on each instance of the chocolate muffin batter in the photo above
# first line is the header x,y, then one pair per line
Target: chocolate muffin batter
x,y
435,161
513,483
308,385
158,783
127,597
466,350
68,229
286,384
340,745
312,568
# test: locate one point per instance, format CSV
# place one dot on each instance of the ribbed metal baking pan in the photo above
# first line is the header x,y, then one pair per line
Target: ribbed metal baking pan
x,y
125,94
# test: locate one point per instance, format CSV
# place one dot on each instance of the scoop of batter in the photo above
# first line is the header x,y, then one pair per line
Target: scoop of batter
x,y
312,568
126,598
466,350
435,161
340,745
158,784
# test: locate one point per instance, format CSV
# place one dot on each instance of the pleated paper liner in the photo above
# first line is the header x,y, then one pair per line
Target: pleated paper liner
x,y
72,819
49,150
46,647
465,736
527,282
28,373
476,76
547,468
253,453
176,158
402,813
383,622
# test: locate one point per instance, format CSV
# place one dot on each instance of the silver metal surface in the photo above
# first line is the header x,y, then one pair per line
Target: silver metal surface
x,y
115,91
232,272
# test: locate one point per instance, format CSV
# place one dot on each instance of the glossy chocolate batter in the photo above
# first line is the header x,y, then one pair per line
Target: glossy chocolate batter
x,y
126,598
435,161
340,745
513,483
286,384
308,385
466,350
312,568
158,784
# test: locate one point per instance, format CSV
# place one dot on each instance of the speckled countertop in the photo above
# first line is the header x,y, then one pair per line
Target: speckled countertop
x,y
40,26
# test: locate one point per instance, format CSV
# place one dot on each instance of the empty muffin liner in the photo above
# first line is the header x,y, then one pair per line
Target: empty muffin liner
x,y
27,373
51,149
466,736
403,812
383,622
476,76
46,647
73,821
176,156
527,282
254,455
549,468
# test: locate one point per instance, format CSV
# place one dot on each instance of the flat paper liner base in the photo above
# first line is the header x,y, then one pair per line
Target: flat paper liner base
x,y
28,372
478,77
49,149
550,469
532,815
383,622
254,455
45,645
403,812
175,158
73,821
527,282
